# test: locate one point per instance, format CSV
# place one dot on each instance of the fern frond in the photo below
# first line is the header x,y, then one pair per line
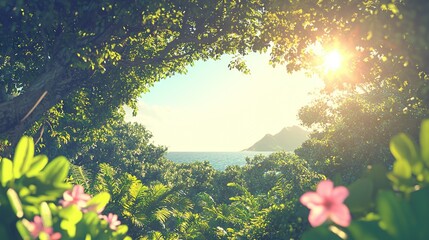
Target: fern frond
x,y
162,215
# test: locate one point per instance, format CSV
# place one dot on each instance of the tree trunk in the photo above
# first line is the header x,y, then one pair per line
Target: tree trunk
x,y
18,114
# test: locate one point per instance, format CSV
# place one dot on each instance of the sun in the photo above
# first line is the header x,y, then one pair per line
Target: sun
x,y
329,60
332,61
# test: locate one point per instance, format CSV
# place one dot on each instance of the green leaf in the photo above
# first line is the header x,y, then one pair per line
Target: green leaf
x,y
157,236
402,169
418,168
72,213
122,229
23,231
320,233
15,202
360,197
24,191
378,175
403,148
43,190
30,210
424,141
234,198
92,222
56,171
367,230
23,157
420,207
6,172
69,227
162,215
46,215
99,202
43,236
39,162
396,216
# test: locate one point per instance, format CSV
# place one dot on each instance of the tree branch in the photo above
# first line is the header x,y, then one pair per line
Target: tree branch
x,y
19,113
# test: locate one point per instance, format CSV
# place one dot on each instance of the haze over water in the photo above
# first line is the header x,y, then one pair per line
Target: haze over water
x,y
219,160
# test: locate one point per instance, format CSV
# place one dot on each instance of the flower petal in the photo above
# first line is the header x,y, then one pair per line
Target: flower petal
x,y
67,196
324,189
56,236
36,226
340,215
85,197
339,194
311,199
77,190
317,216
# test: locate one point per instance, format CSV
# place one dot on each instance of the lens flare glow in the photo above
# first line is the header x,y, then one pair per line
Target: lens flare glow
x,y
332,61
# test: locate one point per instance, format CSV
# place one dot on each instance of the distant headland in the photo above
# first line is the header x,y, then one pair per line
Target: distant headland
x,y
288,139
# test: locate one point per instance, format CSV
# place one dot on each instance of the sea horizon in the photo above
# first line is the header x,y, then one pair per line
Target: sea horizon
x,y
197,151
219,160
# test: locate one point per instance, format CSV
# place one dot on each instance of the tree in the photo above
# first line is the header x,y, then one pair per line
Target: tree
x,y
353,126
108,52
87,60
127,146
355,132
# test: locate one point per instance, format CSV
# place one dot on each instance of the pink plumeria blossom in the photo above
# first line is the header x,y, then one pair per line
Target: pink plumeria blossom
x,y
327,203
112,220
37,227
75,196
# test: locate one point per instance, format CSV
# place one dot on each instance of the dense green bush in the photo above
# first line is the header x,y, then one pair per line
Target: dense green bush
x,y
30,203
39,201
389,204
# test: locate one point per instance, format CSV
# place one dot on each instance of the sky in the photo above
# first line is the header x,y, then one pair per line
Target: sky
x,y
214,109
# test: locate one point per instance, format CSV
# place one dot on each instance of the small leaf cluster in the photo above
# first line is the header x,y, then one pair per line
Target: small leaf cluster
x,y
411,168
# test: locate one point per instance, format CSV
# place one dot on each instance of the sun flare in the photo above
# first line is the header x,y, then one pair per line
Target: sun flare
x,y
332,61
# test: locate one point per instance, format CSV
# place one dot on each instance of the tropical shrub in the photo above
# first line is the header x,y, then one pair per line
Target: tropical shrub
x,y
262,199
388,204
30,204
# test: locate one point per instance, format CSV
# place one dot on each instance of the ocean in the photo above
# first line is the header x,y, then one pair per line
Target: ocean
x,y
219,160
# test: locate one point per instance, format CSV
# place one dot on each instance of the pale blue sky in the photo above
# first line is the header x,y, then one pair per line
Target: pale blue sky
x,y
212,108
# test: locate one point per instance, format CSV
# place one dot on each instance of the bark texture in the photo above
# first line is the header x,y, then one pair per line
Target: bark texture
x,y
18,114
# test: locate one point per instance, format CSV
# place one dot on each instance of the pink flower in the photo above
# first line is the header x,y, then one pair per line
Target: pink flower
x,y
36,227
54,236
75,196
112,220
327,203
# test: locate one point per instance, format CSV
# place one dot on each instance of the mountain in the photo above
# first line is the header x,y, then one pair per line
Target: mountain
x,y
288,139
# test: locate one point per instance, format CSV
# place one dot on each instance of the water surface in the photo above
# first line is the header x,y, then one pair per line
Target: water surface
x,y
219,160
